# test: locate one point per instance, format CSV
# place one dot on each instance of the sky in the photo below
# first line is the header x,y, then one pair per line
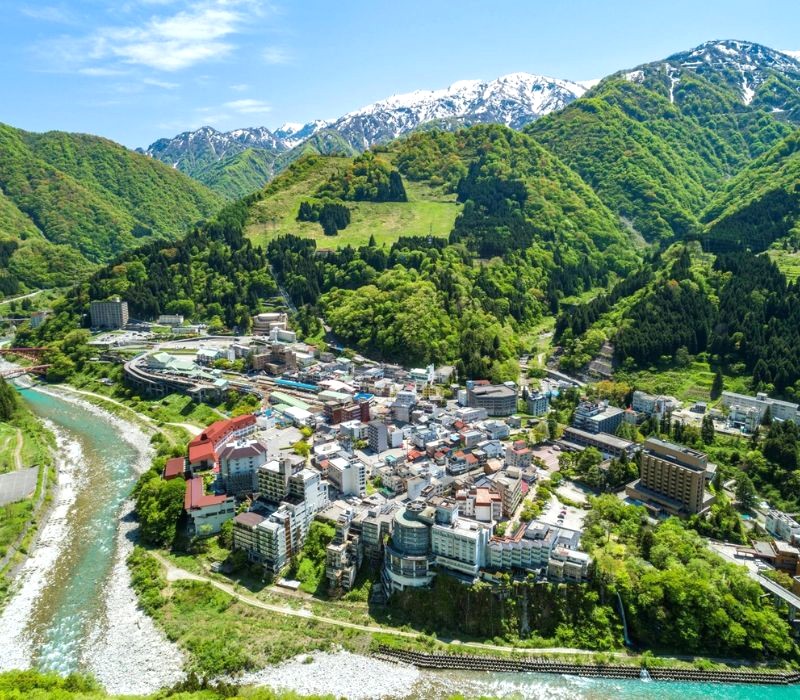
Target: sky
x,y
138,70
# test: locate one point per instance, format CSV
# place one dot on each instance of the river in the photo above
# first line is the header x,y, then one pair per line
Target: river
x,y
73,608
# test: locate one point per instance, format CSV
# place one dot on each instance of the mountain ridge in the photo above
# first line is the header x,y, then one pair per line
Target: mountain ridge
x,y
514,99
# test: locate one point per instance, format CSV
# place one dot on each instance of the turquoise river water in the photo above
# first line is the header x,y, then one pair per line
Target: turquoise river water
x,y
61,612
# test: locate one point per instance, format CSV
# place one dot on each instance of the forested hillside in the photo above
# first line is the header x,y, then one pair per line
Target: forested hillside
x,y
761,203
71,201
213,274
530,232
654,150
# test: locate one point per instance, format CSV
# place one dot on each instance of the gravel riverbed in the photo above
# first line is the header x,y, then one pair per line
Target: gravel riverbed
x,y
340,674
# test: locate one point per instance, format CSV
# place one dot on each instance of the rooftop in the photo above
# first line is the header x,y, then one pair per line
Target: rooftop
x,y
195,496
493,390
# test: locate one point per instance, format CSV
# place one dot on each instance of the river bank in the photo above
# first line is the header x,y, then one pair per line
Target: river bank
x,y
72,607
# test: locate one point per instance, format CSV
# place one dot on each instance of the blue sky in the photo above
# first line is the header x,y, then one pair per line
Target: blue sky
x,y
136,70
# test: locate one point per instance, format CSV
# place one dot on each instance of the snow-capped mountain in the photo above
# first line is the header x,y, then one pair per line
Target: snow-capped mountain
x,y
192,151
755,74
294,133
514,100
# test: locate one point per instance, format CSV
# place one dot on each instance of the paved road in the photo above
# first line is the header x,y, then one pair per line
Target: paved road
x,y
14,486
768,584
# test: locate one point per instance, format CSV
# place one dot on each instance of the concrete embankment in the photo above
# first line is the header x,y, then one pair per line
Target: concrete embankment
x,y
468,662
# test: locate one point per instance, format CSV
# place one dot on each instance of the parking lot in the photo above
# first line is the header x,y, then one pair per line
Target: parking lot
x,y
548,454
574,492
573,517
14,486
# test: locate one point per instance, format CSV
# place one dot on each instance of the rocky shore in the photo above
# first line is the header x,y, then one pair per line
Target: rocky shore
x,y
339,673
126,651
15,642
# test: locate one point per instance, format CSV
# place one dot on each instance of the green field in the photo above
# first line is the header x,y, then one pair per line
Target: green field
x,y
427,211
788,262
692,383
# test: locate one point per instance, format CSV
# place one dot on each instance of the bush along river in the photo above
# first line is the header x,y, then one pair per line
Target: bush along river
x,y
73,609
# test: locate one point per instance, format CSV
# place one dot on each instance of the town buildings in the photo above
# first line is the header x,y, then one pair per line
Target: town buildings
x,y
748,411
597,417
206,512
239,462
540,547
608,445
378,436
782,526
538,403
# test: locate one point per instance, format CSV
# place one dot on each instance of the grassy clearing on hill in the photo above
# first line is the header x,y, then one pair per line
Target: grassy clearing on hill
x,y
427,211
788,262
692,383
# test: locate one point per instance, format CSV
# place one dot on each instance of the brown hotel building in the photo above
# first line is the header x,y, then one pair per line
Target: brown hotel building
x,y
673,478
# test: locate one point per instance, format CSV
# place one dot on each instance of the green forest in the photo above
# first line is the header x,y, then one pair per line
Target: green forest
x,y
69,202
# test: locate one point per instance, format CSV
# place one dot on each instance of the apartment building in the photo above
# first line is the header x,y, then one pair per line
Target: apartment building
x,y
509,485
348,476
538,403
378,436
239,463
597,417
109,314
673,478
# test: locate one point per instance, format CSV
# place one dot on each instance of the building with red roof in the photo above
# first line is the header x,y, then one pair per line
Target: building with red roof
x,y
174,468
203,448
206,512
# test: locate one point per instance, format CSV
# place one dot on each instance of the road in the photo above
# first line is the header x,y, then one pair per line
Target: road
x,y
786,596
564,377
17,485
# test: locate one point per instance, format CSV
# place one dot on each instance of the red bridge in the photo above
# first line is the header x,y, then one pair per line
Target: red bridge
x,y
29,353
19,371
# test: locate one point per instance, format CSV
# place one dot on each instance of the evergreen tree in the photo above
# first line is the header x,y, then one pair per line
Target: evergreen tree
x,y
8,400
707,430
746,492
766,419
717,385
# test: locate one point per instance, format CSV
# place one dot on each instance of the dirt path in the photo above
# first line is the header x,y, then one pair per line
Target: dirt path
x,y
18,450
175,573
188,427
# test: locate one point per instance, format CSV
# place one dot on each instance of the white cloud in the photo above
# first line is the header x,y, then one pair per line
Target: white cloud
x,y
248,106
170,40
98,72
793,53
240,87
275,56
160,83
